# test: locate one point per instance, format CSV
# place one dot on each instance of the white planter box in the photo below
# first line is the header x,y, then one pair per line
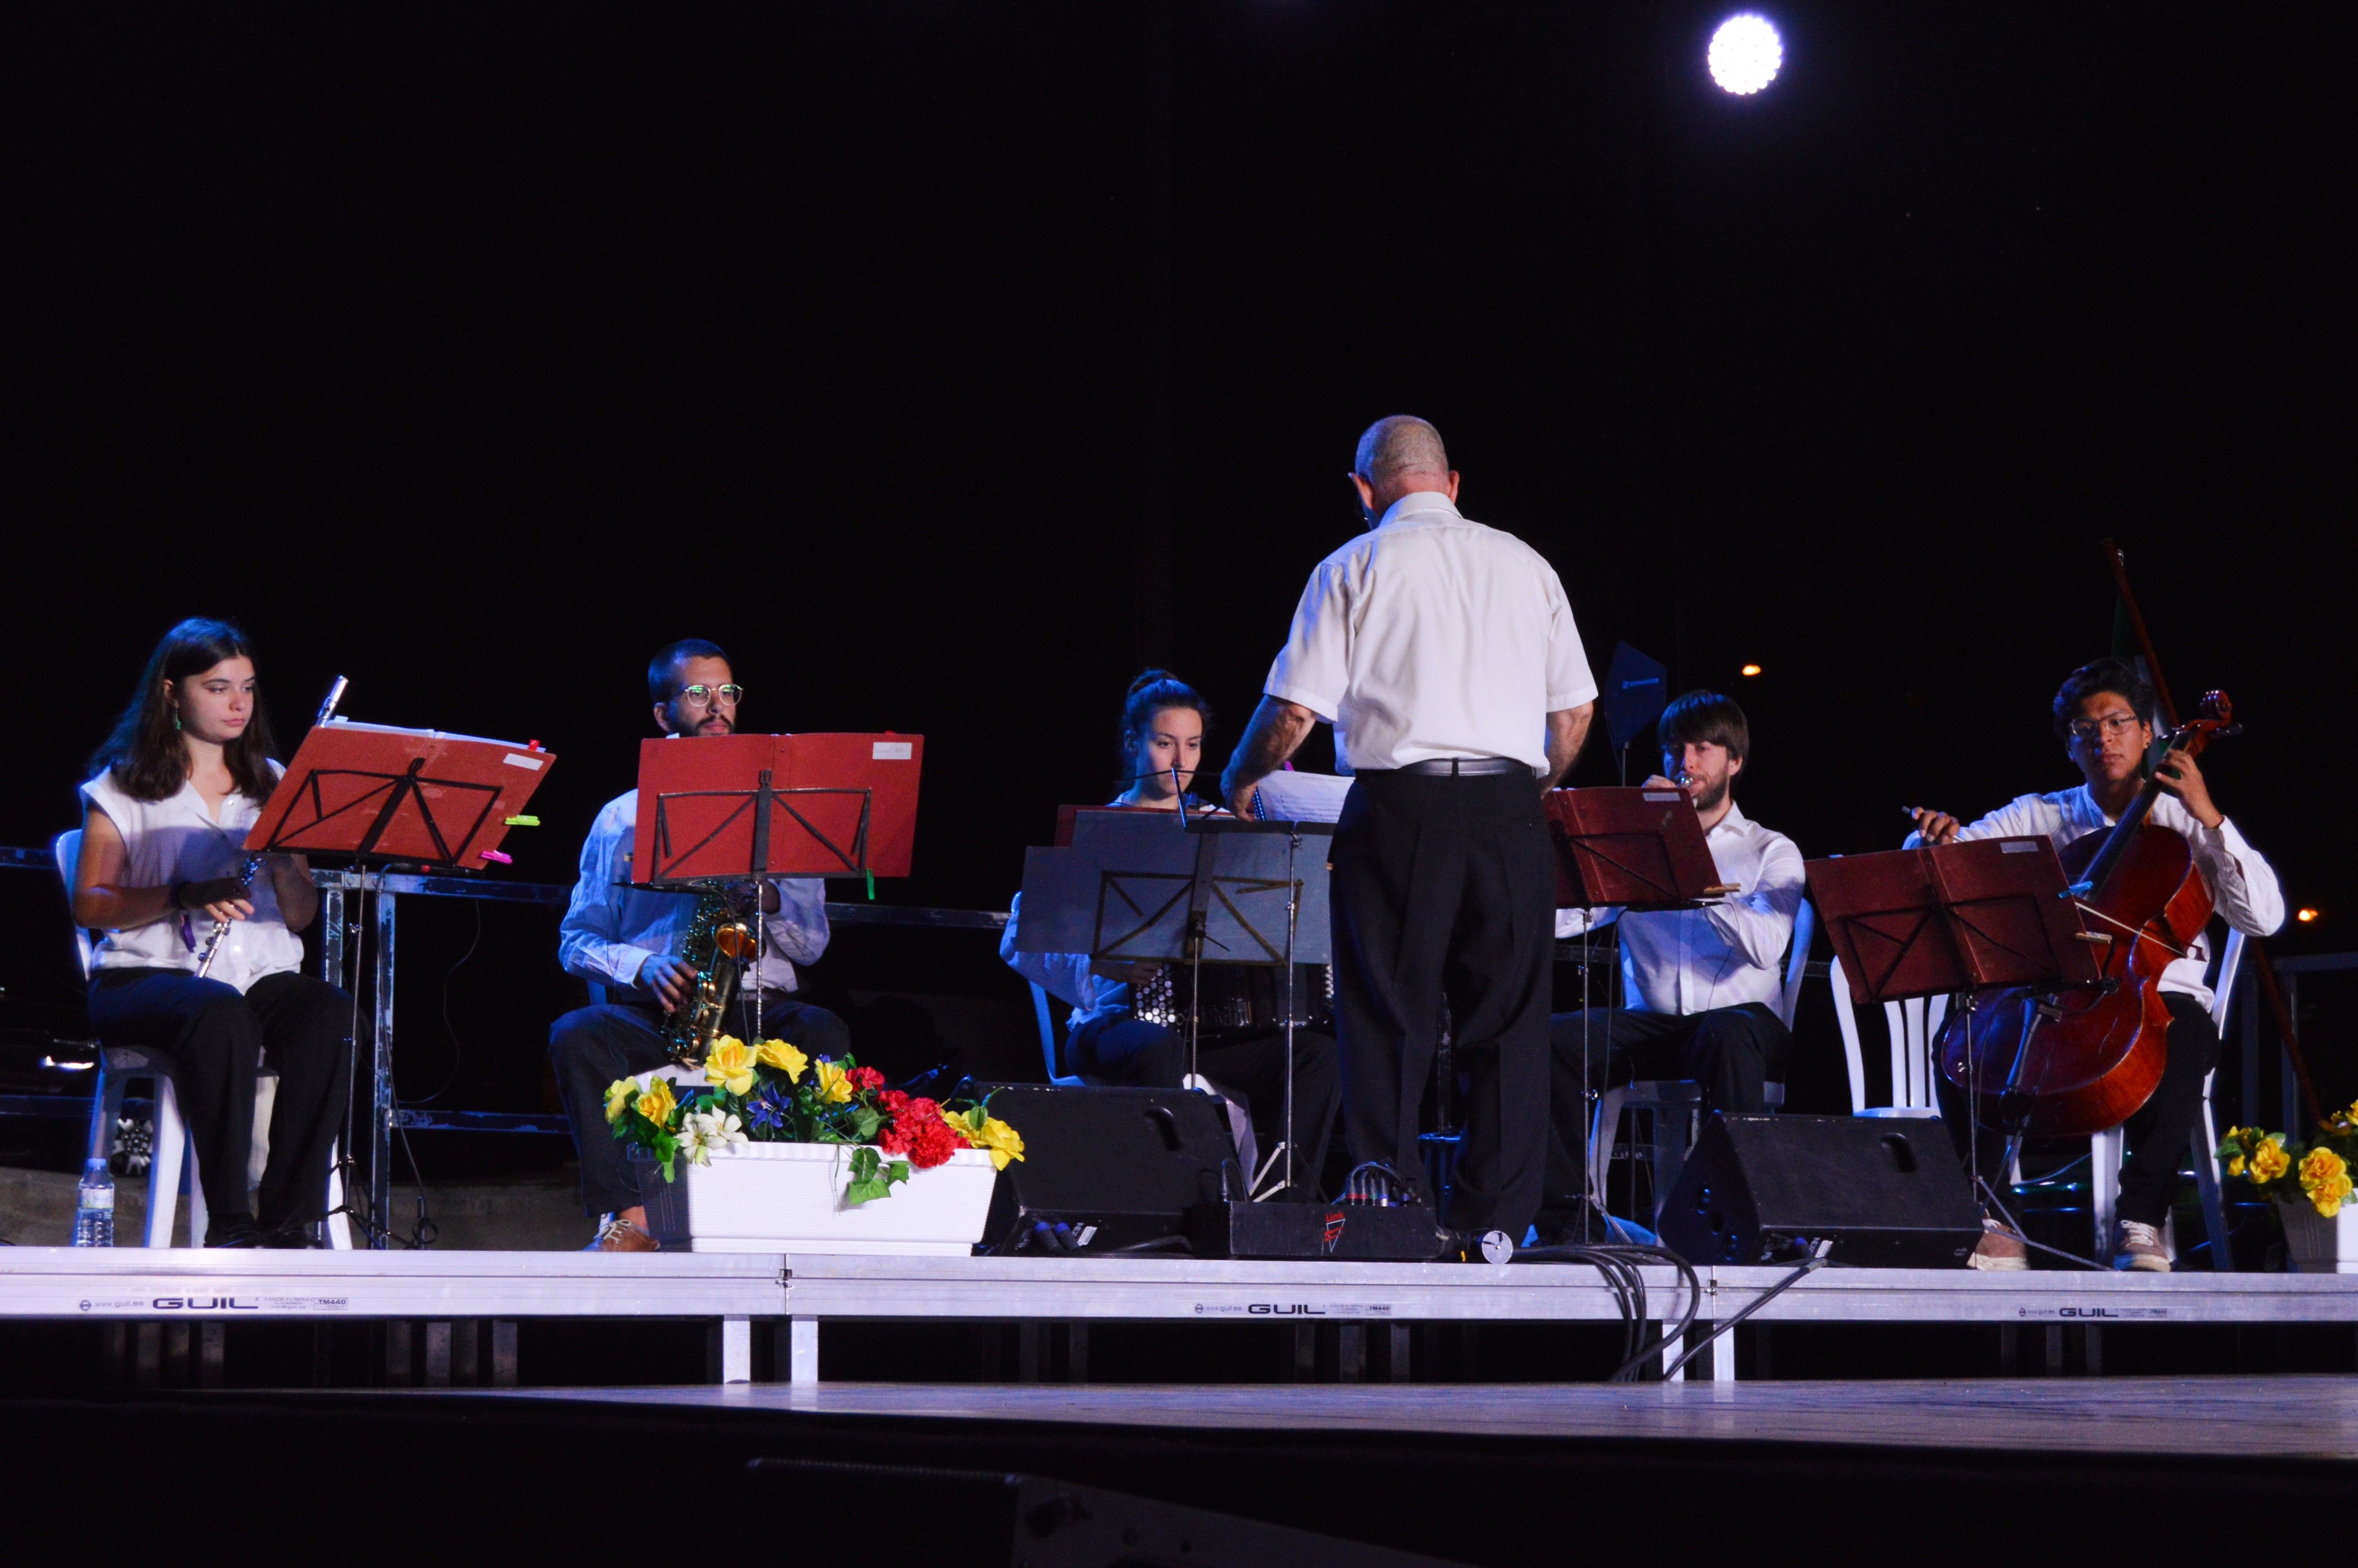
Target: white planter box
x,y
2317,1245
788,1197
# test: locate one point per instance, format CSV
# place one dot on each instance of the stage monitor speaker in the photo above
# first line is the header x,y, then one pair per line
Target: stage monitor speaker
x,y
1106,1170
1763,1189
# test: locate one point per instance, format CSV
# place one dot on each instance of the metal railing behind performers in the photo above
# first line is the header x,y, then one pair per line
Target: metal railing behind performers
x,y
359,915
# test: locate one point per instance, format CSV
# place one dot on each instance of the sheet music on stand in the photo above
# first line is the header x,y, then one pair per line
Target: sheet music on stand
x,y
728,807
361,791
1641,849
1931,921
1124,890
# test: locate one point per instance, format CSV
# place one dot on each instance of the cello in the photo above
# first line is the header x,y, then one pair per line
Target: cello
x,y
2056,1063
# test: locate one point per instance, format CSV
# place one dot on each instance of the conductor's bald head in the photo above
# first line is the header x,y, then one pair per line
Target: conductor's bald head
x,y
1399,455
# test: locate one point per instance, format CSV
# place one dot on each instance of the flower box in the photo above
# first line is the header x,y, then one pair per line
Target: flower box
x,y
2315,1243
788,1197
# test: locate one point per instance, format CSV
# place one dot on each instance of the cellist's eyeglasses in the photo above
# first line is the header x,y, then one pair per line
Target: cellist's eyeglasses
x,y
702,695
2110,725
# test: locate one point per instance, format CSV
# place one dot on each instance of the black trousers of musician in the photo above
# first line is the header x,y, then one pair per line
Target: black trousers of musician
x,y
1444,887
1118,1049
2157,1137
218,1039
593,1046
1730,1053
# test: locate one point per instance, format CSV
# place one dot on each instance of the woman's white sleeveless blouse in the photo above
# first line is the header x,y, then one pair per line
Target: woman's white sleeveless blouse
x,y
179,841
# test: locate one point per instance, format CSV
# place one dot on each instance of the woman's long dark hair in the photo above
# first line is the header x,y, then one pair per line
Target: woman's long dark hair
x,y
1149,695
145,753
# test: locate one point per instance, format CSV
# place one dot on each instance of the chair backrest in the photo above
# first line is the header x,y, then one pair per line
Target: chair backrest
x,y
1047,1021
1912,1025
68,850
2231,964
1797,961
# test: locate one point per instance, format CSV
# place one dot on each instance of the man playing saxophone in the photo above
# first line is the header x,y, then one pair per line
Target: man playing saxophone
x,y
634,946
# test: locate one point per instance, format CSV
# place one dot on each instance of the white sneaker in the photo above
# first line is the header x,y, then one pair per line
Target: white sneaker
x,y
2141,1249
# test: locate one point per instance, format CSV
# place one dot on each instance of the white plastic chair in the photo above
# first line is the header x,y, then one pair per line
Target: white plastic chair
x,y
118,1064
2105,1148
1675,1103
1913,1026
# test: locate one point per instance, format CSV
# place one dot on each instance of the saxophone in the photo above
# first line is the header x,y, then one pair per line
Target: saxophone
x,y
719,942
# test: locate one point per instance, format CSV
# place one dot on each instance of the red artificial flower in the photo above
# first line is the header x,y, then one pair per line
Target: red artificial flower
x,y
894,1102
918,1131
865,1078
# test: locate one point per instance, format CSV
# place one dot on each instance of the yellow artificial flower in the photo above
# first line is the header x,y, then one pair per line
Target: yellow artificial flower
x,y
2269,1161
2325,1177
834,1084
618,1099
1003,1142
657,1102
2235,1165
785,1057
730,1063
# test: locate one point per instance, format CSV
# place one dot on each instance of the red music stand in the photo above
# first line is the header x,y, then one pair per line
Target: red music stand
x,y
729,806
1640,848
359,791
1931,921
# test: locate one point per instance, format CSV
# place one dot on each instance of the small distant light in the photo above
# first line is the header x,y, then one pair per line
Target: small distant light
x,y
1752,669
1746,54
2306,916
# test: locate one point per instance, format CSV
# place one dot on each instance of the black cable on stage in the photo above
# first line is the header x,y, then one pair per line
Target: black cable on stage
x,y
1620,1266
1762,1300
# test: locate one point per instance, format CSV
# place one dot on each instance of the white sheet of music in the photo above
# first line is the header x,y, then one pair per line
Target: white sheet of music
x,y
1288,796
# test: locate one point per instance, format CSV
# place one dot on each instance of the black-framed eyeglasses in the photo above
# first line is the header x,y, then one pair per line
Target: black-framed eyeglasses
x,y
2107,727
702,695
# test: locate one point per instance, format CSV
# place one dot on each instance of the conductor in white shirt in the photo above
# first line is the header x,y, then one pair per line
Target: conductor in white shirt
x,y
1702,986
1445,656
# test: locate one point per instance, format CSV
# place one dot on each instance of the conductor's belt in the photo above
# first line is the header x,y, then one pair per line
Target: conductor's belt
x,y
1455,767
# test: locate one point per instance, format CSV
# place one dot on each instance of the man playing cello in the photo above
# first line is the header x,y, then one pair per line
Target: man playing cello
x,y
2105,715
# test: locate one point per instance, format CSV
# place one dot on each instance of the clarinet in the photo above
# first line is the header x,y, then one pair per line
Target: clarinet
x,y
245,875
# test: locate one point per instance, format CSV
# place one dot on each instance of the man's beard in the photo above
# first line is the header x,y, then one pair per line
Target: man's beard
x,y
1710,799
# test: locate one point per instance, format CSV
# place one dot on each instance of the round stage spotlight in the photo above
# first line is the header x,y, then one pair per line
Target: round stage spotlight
x,y
1745,53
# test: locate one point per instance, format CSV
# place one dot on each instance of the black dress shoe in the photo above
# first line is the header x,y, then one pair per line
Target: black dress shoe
x,y
239,1232
294,1235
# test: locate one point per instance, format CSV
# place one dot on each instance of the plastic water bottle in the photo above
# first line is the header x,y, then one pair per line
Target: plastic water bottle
x,y
95,1210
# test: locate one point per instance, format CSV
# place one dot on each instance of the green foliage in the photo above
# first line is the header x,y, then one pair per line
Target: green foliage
x,y
870,1177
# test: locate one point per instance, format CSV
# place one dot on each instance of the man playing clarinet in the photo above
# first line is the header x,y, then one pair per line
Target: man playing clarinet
x,y
1704,985
627,942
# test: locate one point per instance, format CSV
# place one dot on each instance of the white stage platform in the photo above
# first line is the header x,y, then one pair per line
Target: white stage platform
x,y
735,1290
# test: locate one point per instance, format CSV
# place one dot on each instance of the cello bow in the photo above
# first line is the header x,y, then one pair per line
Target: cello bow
x,y
2261,963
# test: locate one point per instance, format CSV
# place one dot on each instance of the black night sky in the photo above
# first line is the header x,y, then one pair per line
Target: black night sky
x,y
947,362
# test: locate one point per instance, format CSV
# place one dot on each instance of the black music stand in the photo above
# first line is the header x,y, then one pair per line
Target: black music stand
x,y
1641,849
1963,917
373,792
724,808
1149,887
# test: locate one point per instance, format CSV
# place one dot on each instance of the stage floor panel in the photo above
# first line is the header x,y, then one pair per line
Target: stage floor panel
x,y
2289,1417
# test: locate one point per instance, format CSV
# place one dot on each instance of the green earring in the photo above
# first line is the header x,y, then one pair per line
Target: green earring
x,y
176,720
